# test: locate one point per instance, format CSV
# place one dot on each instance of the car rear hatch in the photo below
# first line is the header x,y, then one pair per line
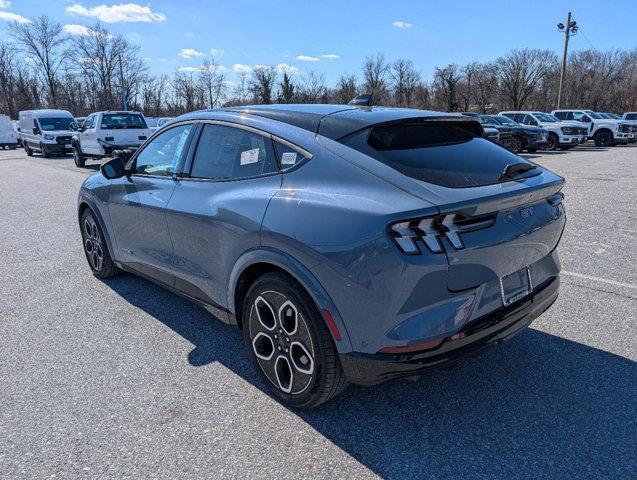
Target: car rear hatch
x,y
498,213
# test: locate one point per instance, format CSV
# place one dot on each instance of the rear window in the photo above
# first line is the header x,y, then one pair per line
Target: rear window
x,y
446,154
631,116
114,121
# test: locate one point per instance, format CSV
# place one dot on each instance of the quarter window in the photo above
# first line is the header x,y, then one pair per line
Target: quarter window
x,y
162,155
227,153
288,157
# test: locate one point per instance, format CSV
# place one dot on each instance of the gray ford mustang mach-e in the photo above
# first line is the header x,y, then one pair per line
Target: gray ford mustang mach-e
x,y
350,244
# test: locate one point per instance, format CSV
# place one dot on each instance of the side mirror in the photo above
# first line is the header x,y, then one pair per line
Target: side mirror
x,y
113,169
74,126
36,131
586,120
19,130
534,123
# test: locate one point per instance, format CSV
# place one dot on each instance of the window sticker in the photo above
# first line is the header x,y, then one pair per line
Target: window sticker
x,y
250,156
288,158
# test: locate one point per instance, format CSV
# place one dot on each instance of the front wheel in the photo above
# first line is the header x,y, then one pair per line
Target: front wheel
x,y
516,144
552,142
28,151
289,342
44,152
603,139
97,254
78,157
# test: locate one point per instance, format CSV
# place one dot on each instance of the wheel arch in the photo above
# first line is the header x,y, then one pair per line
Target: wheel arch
x,y
256,262
86,202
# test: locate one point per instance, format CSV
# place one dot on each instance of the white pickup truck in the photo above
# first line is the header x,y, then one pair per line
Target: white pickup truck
x,y
563,135
101,133
603,131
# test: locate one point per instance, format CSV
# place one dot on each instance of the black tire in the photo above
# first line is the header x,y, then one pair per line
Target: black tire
x,y
279,349
603,138
45,154
28,150
78,157
552,142
95,248
516,144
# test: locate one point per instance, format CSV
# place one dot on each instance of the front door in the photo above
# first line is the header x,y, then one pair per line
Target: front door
x,y
138,205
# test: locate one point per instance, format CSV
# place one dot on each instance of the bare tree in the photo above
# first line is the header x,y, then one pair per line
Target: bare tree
x,y
520,73
405,80
446,85
313,87
485,82
375,77
44,42
346,88
262,83
212,81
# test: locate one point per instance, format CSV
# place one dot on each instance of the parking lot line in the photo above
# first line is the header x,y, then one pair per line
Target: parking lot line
x,y
599,279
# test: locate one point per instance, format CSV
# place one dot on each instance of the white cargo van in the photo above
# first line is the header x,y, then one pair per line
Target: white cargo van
x,y
46,131
7,133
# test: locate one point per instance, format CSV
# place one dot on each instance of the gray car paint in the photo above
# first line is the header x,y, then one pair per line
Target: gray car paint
x,y
325,223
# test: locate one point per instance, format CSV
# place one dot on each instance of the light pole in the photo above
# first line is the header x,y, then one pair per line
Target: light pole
x,y
569,30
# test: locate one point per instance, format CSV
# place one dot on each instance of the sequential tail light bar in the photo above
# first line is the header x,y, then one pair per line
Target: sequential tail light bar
x,y
410,235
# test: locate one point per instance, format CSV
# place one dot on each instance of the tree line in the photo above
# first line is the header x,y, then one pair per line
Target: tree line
x,y
44,67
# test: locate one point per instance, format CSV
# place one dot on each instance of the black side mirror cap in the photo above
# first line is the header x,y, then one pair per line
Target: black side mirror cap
x,y
114,168
36,131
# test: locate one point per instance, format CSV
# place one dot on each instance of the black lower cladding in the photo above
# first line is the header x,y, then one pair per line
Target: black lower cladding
x,y
56,148
371,369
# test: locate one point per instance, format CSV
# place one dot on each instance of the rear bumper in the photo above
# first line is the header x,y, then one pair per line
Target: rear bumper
x,y
371,369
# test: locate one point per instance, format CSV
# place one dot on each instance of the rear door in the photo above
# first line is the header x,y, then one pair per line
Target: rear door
x,y
216,210
138,204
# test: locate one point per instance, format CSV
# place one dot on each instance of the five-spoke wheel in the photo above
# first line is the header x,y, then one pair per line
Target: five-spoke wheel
x,y
281,342
96,251
289,342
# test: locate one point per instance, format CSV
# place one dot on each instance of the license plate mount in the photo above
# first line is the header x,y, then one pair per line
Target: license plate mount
x,y
515,286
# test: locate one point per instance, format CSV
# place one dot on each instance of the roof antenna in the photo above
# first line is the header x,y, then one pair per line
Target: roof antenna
x,y
364,100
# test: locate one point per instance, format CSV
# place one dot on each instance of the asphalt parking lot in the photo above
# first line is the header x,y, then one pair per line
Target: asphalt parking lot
x,y
121,379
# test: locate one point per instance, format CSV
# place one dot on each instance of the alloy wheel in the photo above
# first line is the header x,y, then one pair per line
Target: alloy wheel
x,y
281,342
93,244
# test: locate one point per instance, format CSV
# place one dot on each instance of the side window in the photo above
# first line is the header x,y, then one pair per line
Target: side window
x,y
580,117
89,122
525,119
288,157
162,155
560,115
225,153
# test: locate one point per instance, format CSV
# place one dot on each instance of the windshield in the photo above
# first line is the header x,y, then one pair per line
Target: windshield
x,y
593,114
614,115
505,120
59,123
449,154
545,117
113,121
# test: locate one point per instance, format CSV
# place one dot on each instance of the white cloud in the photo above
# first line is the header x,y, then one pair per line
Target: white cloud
x,y
122,12
331,56
216,52
5,4
307,58
74,29
213,68
190,53
13,17
188,69
285,68
240,68
399,24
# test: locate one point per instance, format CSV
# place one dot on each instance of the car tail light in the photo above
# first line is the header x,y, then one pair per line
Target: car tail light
x,y
409,236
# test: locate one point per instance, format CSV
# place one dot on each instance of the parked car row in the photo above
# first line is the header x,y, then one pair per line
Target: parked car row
x,y
101,133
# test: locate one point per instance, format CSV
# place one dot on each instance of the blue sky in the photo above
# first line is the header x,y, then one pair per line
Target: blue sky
x,y
335,36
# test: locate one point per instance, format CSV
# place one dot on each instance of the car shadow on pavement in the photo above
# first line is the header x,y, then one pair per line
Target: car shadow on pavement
x,y
537,406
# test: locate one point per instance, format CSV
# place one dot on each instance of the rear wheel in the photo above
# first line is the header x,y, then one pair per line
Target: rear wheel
x,y
552,142
603,138
289,343
99,259
78,157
